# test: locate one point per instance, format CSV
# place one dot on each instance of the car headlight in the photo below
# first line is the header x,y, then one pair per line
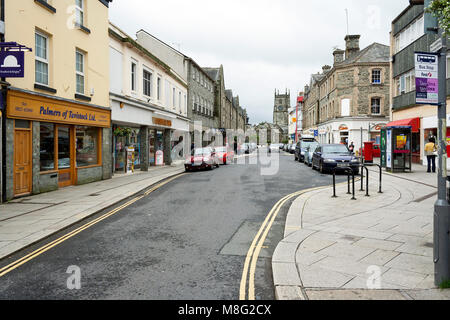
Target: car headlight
x,y
329,161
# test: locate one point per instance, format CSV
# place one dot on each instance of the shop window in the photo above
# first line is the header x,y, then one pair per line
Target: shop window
x,y
87,146
47,147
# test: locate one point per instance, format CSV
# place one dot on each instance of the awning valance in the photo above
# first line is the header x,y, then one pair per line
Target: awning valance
x,y
414,123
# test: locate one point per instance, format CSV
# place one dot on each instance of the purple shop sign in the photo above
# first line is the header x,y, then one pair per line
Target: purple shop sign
x,y
12,64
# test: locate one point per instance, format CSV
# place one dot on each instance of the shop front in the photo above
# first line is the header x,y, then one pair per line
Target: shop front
x,y
142,137
416,147
53,143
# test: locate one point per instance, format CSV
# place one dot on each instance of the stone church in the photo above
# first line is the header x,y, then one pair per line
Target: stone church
x,y
281,112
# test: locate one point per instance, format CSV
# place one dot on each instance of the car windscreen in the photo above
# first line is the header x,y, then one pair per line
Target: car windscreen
x,y
312,147
221,149
202,152
335,149
306,144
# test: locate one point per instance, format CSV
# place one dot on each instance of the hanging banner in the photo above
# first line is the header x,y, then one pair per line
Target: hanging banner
x,y
426,78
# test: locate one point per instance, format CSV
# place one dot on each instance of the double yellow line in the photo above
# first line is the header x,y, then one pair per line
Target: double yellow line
x,y
38,252
255,248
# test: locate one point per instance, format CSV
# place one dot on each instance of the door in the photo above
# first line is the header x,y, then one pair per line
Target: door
x,y
65,156
22,158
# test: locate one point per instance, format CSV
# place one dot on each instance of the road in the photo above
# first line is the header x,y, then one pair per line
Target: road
x,y
185,241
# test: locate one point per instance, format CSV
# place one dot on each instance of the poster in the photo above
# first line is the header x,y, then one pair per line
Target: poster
x,y
389,148
426,78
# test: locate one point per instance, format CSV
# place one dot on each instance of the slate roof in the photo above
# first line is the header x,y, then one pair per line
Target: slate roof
x,y
213,73
376,52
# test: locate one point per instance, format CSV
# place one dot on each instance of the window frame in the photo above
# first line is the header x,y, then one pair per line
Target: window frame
x,y
374,76
80,73
80,10
372,100
134,86
147,83
42,60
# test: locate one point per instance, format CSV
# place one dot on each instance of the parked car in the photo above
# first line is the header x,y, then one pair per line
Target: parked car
x,y
274,147
300,148
292,149
309,153
281,146
202,158
287,147
329,156
244,149
225,155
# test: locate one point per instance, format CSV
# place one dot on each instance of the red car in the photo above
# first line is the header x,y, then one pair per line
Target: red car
x,y
202,158
225,155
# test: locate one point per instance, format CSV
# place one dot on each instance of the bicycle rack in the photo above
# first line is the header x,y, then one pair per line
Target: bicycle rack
x,y
349,172
367,170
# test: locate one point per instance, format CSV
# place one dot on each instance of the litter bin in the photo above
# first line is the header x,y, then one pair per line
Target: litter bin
x,y
368,152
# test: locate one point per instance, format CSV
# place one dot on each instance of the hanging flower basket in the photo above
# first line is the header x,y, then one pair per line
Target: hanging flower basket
x,y
122,132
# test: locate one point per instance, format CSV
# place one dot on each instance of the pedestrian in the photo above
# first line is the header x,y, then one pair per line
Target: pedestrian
x,y
431,153
351,147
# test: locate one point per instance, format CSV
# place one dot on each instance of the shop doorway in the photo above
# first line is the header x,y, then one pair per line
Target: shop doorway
x,y
65,138
22,158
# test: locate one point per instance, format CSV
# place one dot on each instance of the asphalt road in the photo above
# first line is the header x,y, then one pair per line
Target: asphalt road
x,y
185,241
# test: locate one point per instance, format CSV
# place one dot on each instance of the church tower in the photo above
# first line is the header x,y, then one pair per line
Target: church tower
x,y
281,111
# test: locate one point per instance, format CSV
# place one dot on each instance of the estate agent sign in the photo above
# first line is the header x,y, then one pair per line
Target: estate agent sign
x,y
426,78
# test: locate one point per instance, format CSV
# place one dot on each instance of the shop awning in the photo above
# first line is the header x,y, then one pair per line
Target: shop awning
x,y
414,123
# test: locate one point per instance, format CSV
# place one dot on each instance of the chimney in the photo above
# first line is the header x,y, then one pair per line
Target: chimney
x,y
325,69
338,56
351,46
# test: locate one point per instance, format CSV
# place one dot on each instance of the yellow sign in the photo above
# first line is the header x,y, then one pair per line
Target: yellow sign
x,y
26,106
294,120
162,122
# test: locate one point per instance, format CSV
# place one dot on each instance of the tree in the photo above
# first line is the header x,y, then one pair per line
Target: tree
x,y
441,10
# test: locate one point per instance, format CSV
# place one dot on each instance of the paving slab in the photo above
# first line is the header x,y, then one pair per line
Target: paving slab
x,y
354,295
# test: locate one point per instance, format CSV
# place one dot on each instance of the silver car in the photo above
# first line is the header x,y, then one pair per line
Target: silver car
x,y
309,153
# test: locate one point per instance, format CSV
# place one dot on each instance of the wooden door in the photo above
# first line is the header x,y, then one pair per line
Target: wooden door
x,y
65,155
22,161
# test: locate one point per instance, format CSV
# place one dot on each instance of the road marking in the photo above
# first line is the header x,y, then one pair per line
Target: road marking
x,y
54,243
255,248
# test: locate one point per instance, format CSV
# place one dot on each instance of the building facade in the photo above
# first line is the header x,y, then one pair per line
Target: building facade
x,y
148,103
57,127
281,108
349,102
201,102
408,36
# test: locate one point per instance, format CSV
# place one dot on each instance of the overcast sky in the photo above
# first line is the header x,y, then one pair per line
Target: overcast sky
x,y
262,44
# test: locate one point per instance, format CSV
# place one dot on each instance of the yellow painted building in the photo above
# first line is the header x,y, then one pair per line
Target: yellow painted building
x,y
57,131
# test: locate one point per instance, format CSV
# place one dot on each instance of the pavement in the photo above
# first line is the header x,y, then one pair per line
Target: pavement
x,y
373,248
25,221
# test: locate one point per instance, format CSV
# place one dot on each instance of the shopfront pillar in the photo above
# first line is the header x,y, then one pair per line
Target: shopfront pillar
x,y
144,154
167,147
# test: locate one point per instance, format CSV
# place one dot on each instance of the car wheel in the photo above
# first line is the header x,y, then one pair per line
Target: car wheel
x,y
321,168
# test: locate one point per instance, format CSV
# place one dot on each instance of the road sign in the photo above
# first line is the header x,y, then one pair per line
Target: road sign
x,y
436,46
427,87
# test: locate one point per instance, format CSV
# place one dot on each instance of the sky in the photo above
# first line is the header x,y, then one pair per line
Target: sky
x,y
263,45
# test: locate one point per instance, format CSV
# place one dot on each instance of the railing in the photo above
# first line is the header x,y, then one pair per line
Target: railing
x,y
349,172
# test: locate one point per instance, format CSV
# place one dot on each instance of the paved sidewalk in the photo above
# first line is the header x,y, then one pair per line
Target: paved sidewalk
x,y
27,220
336,248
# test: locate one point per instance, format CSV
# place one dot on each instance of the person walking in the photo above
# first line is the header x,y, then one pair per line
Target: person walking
x,y
431,153
351,147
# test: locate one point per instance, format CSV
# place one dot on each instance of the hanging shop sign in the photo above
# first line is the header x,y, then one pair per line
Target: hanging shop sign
x,y
12,60
26,106
426,78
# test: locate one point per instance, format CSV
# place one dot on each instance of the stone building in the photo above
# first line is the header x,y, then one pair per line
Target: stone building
x,y
201,101
281,112
351,98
